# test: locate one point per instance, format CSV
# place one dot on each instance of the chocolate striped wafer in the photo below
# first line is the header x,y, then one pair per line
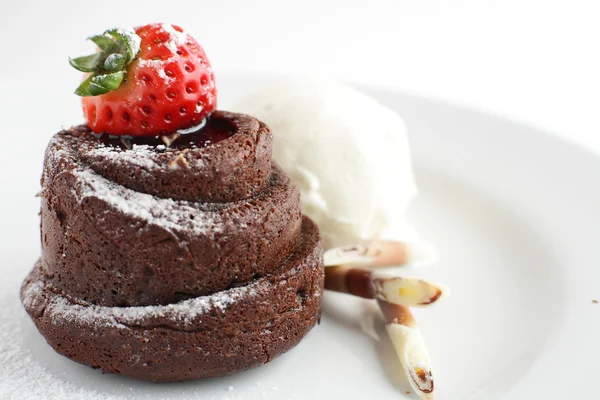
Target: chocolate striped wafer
x,y
382,253
410,348
389,287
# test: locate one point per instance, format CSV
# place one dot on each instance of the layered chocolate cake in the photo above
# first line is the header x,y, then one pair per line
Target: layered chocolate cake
x,y
169,257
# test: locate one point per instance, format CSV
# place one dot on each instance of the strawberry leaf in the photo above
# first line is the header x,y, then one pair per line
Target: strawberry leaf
x,y
96,85
103,41
118,48
114,62
86,63
105,83
128,39
84,88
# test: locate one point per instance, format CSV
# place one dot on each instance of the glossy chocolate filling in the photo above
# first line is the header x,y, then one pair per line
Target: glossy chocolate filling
x,y
210,131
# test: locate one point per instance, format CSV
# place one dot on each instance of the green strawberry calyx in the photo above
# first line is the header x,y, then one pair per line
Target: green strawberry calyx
x,y
107,68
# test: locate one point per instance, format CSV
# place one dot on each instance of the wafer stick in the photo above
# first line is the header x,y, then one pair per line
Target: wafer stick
x,y
410,347
381,253
410,292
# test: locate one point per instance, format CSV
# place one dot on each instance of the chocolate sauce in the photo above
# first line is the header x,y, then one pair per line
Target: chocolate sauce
x,y
213,130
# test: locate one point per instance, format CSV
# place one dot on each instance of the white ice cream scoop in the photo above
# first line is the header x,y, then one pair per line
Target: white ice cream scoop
x,y
348,154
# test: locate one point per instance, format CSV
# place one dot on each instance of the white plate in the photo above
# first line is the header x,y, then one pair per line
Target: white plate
x,y
515,215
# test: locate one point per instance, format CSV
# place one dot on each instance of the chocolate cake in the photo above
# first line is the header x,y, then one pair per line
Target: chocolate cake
x,y
169,263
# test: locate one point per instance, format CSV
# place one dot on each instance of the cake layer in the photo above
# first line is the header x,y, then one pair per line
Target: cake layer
x,y
208,336
109,245
231,169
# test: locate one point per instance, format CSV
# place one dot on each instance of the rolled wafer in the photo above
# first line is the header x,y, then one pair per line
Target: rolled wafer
x,y
381,253
410,348
410,292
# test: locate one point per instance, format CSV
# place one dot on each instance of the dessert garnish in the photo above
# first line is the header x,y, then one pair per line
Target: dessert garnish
x,y
394,294
154,80
410,347
375,253
386,286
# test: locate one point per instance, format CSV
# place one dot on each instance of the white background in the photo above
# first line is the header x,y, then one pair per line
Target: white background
x,y
537,61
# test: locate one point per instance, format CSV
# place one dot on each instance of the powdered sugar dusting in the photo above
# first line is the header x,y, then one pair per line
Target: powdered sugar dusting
x,y
170,214
183,314
53,158
177,38
32,294
62,311
31,370
140,155
158,66
135,40
22,375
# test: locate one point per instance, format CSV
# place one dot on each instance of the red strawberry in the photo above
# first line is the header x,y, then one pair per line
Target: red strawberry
x,y
153,81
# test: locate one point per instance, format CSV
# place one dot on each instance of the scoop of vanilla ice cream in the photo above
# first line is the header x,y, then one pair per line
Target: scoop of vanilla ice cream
x,y
347,153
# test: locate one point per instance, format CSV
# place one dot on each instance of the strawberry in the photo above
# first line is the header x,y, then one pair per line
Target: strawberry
x,y
153,81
